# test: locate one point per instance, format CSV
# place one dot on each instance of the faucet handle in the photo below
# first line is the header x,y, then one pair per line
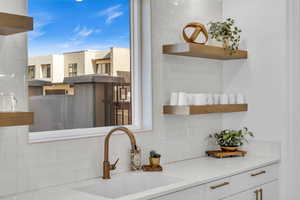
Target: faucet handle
x,y
113,166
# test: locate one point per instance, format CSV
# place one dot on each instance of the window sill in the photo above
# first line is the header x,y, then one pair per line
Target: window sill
x,y
52,136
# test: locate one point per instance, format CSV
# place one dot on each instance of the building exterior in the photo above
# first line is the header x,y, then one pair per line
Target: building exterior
x,y
54,68
95,103
46,68
81,89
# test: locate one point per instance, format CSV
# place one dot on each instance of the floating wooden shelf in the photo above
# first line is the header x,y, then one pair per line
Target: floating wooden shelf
x,y
16,118
11,24
197,110
203,51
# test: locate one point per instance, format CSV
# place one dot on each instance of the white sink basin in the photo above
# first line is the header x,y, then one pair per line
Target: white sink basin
x,y
126,184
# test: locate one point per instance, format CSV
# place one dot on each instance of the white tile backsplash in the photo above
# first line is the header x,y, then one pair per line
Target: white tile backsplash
x,y
25,167
31,166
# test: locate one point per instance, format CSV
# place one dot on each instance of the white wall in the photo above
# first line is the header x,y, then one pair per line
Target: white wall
x,y
26,166
120,60
292,139
13,58
89,56
58,73
76,57
57,67
263,76
38,61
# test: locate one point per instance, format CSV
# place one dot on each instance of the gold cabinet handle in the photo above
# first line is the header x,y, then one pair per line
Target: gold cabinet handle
x,y
218,186
259,194
258,173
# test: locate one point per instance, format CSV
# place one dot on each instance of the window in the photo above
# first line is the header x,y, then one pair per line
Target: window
x,y
72,69
103,68
46,71
98,102
31,72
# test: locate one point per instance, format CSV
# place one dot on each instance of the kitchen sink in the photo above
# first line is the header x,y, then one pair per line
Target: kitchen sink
x,y
126,184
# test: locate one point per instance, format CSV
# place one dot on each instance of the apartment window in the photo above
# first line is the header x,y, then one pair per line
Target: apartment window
x,y
31,71
103,68
46,71
98,103
93,104
72,69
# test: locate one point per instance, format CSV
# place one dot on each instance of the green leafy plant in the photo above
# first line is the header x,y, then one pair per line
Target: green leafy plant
x,y
227,33
232,138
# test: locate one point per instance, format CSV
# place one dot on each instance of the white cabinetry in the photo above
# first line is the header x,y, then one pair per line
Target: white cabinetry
x,y
265,192
258,184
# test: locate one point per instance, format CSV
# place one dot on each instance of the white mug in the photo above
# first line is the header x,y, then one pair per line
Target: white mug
x,y
210,99
191,99
200,99
216,99
224,99
232,99
174,99
240,99
182,99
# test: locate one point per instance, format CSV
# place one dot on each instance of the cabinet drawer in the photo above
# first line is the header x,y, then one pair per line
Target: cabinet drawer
x,y
268,191
254,178
218,189
235,184
195,193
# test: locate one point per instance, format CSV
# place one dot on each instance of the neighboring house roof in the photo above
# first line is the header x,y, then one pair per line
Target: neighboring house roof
x,y
105,54
94,78
36,82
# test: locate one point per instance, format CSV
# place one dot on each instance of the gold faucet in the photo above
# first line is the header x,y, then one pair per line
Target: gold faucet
x,y
107,167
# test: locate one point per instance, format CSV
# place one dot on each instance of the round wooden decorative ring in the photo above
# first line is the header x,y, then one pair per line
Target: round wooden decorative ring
x,y
199,28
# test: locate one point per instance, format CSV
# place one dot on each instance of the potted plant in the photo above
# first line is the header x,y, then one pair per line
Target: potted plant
x,y
230,140
227,33
154,159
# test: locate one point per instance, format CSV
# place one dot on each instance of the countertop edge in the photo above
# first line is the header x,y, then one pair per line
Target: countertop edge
x,y
186,184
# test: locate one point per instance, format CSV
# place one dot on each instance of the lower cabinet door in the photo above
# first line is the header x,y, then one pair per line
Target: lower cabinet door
x,y
248,195
265,192
195,193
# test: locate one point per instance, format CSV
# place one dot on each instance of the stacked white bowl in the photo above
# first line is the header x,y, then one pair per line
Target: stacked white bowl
x,y
184,99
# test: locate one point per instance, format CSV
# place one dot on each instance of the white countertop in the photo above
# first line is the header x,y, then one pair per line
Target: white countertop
x,y
188,173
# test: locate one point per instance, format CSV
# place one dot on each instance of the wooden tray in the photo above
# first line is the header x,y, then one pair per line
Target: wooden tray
x,y
225,154
150,168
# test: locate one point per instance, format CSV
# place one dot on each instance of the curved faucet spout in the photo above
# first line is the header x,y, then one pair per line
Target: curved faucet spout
x,y
107,167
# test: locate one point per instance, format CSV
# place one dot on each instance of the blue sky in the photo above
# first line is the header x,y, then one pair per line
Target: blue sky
x,y
72,25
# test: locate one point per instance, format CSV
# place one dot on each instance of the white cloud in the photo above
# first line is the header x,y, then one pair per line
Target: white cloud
x,y
79,0
110,9
84,32
41,20
78,39
97,30
111,13
113,16
71,44
77,28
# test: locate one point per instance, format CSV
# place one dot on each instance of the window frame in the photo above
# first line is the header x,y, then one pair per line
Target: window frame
x,y
31,68
141,79
103,68
72,66
47,66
